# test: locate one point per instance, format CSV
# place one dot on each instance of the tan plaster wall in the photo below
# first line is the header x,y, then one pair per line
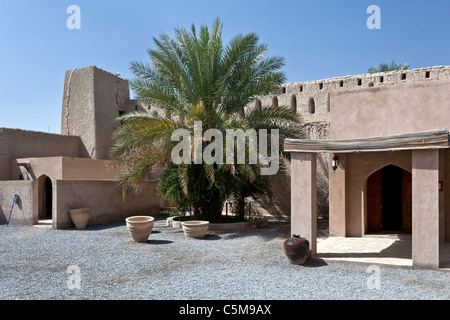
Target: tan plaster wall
x,y
425,206
92,100
25,211
104,198
401,108
303,197
337,197
5,166
87,169
23,144
359,166
78,114
348,195
49,166
111,97
67,168
317,125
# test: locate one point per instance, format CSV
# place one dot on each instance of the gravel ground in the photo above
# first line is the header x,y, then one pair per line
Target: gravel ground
x,y
34,265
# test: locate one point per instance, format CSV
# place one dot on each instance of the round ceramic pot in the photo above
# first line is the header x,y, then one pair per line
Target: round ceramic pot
x,y
140,227
296,249
195,229
80,217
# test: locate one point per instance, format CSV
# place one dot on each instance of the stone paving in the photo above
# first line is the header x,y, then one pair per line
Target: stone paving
x,y
390,250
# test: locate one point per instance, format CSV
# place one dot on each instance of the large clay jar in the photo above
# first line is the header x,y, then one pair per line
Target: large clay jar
x,y
296,249
140,227
195,229
80,217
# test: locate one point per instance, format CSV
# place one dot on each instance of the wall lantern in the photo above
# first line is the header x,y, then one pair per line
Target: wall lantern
x,y
335,162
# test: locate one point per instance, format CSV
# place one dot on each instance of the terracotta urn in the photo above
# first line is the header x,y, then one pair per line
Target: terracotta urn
x,y
195,229
140,227
80,217
296,249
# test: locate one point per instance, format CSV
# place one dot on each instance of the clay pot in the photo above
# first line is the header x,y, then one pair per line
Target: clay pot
x,y
80,217
195,229
296,249
140,227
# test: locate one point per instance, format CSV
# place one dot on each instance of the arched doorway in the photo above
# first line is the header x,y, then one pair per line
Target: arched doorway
x,y
45,197
389,200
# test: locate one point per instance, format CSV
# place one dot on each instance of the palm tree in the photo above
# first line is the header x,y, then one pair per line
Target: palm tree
x,y
384,67
194,77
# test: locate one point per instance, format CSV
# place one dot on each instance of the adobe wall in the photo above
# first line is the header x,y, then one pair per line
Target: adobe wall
x,y
24,143
67,168
313,100
77,116
348,197
401,108
369,112
92,100
105,200
17,143
25,212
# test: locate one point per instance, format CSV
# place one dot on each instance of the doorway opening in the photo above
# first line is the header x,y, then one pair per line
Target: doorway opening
x,y
45,198
389,200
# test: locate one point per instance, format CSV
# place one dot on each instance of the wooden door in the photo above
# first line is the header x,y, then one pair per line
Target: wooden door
x,y
406,201
374,202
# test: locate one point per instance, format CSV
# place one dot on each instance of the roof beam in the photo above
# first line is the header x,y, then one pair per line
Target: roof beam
x,y
409,141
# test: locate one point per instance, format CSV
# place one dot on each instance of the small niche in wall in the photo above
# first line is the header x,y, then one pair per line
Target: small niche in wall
x,y
311,106
283,90
381,79
301,88
258,104
328,102
321,85
359,82
274,102
371,84
341,83
121,113
403,76
427,74
294,103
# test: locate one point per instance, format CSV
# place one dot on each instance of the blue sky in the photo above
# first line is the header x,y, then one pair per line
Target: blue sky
x,y
318,39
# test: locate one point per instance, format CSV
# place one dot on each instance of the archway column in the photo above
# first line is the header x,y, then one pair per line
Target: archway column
x,y
425,209
304,197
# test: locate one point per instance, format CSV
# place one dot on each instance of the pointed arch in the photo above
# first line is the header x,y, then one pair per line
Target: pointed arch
x,y
389,199
45,197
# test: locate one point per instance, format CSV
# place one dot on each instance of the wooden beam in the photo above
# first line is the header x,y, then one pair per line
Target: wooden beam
x,y
435,139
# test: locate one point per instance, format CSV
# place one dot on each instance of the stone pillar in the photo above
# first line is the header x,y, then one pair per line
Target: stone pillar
x,y
303,197
425,209
337,219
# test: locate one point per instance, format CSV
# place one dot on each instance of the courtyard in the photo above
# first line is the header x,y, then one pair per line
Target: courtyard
x,y
38,263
